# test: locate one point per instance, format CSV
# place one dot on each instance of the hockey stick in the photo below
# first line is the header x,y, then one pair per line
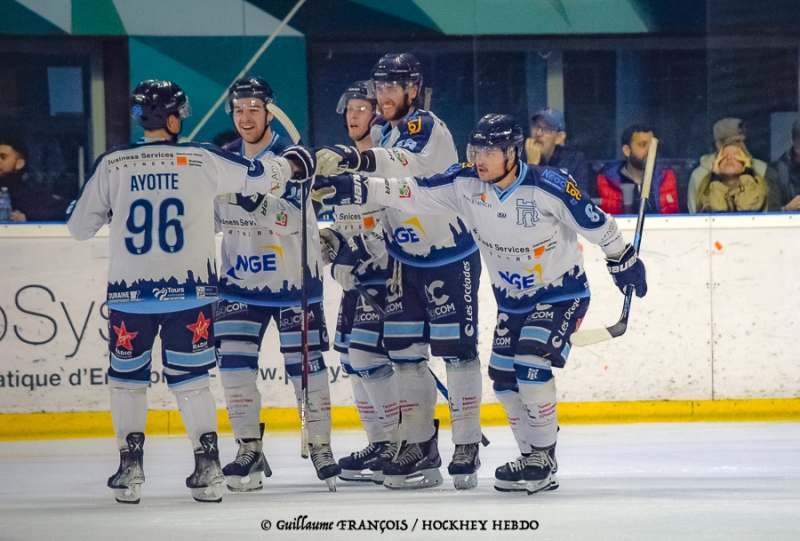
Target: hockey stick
x,y
381,314
284,119
593,336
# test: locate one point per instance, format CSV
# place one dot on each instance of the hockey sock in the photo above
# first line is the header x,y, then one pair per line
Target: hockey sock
x,y
537,389
377,377
465,388
417,390
128,412
198,411
318,413
366,411
515,412
244,409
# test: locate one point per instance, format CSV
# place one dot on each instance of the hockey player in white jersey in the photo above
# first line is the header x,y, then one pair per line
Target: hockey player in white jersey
x,y
259,282
431,297
162,272
525,219
359,330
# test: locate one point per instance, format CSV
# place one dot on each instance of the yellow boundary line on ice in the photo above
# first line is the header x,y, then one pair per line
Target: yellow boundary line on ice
x,y
29,426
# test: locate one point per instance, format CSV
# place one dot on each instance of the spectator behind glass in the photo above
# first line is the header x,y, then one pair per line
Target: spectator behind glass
x,y
620,184
732,185
29,202
783,177
726,132
546,147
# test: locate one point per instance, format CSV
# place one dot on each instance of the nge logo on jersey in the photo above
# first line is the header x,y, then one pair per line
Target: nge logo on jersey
x,y
523,281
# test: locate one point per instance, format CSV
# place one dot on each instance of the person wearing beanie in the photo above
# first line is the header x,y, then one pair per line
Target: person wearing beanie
x,y
545,146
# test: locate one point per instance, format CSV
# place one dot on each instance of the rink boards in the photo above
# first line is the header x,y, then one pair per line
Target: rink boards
x,y
712,340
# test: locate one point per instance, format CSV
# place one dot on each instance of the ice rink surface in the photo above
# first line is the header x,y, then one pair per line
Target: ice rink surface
x,y
665,481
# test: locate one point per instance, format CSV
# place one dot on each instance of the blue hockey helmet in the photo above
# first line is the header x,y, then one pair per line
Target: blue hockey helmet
x,y
496,131
153,102
359,90
249,87
400,68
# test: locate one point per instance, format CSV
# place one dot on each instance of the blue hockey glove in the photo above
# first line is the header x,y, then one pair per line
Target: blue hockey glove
x,y
303,160
628,270
346,255
350,189
336,160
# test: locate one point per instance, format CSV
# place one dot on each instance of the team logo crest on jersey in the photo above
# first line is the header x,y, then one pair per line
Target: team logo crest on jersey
x,y
415,126
527,213
124,337
405,191
200,329
281,219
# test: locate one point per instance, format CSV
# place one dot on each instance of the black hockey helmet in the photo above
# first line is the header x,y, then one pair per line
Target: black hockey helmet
x,y
153,102
359,90
400,68
499,131
249,87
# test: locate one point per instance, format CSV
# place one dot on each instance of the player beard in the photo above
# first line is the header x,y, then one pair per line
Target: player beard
x,y
637,163
400,111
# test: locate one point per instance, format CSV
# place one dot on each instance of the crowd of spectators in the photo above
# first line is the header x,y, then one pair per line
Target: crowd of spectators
x,y
729,179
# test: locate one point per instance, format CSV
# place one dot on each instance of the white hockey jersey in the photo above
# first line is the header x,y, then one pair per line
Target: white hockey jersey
x,y
162,250
527,233
420,145
261,245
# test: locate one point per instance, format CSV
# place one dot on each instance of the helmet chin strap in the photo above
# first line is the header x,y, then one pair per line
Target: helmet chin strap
x,y
506,171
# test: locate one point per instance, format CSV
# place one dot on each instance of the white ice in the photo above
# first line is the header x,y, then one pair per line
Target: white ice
x,y
666,481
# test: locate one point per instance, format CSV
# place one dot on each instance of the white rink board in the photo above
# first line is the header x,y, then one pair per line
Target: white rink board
x,y
746,291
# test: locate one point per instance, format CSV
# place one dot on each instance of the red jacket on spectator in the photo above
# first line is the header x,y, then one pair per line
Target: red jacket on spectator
x,y
663,192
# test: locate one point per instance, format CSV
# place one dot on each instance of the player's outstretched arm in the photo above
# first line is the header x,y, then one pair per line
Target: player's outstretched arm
x,y
303,161
92,209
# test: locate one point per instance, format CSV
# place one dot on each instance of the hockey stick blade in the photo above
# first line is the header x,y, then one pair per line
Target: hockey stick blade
x,y
593,336
285,121
381,314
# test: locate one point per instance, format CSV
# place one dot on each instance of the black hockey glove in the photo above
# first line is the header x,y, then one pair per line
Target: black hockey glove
x,y
346,256
350,189
303,160
628,270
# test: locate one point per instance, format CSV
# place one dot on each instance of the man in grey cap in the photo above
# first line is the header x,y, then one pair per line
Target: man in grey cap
x,y
783,176
545,146
727,131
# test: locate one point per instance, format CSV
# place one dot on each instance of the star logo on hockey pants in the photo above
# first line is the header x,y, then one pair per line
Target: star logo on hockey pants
x,y
124,337
200,329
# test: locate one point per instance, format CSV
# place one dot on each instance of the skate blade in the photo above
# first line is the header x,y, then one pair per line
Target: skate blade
x,y
510,486
358,476
378,477
549,483
210,494
253,483
131,494
465,481
331,482
422,479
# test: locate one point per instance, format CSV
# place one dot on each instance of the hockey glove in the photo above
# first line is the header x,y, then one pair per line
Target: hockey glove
x,y
347,255
336,160
329,241
303,160
628,270
350,189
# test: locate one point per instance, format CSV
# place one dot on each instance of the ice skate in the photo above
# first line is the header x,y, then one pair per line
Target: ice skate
x,y
416,465
207,477
371,458
508,477
127,482
540,470
326,466
464,466
244,473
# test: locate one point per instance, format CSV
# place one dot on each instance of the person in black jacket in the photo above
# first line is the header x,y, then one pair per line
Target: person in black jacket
x,y
29,200
783,177
546,147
